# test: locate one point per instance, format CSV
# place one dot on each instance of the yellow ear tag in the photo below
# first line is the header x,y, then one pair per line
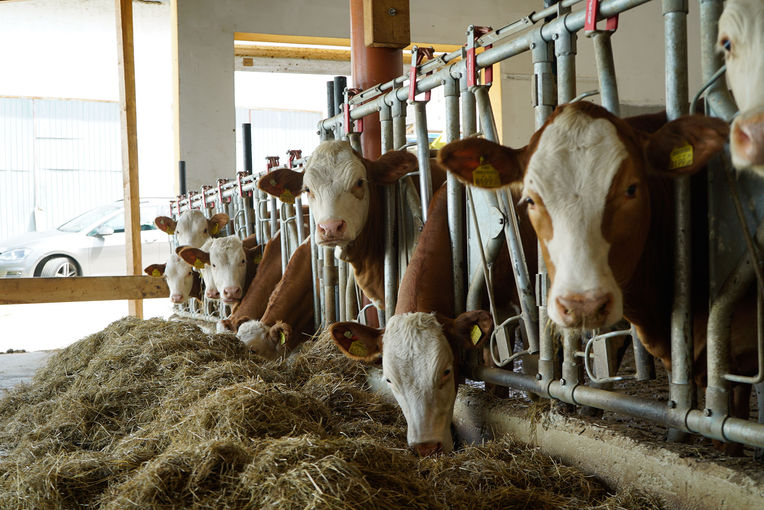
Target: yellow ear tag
x,y
287,197
680,157
214,229
198,264
282,338
156,273
170,231
486,176
475,334
258,259
272,182
357,348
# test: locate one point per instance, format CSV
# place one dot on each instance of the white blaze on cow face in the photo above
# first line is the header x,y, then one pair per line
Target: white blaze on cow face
x,y
254,334
567,181
228,262
180,279
338,193
417,363
741,38
192,229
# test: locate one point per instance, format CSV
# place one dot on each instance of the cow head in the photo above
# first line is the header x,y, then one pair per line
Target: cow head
x,y
741,38
226,263
337,181
420,362
192,228
584,176
181,279
270,342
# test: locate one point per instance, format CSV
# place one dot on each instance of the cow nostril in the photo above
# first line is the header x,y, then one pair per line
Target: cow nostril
x,y
427,449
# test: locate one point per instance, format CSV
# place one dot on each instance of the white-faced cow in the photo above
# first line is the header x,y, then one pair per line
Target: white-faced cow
x,y
423,346
346,193
741,38
183,282
288,318
598,193
195,230
255,300
231,264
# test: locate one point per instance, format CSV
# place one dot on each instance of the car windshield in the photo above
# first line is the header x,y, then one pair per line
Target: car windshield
x,y
87,219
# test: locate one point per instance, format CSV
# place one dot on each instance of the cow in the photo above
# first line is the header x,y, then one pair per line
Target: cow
x,y
195,230
183,282
423,348
231,264
346,195
741,38
288,319
598,193
255,299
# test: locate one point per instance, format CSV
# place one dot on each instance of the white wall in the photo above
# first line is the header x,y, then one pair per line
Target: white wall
x,y
68,49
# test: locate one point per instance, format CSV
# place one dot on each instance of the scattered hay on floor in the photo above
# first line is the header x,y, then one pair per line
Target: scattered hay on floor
x,y
156,414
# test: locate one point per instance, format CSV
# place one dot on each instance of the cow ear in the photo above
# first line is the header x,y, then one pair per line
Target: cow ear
x,y
255,254
279,334
284,184
470,329
155,270
683,146
357,341
165,224
482,163
217,223
194,256
390,166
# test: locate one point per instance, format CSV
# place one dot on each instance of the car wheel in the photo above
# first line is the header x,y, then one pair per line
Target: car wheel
x,y
62,267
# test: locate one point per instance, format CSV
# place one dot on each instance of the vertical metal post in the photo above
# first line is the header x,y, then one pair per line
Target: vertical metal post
x,y
257,196
284,239
391,269
455,191
246,143
423,155
565,51
330,286
603,54
314,271
718,98
274,218
543,104
680,385
182,177
342,278
300,220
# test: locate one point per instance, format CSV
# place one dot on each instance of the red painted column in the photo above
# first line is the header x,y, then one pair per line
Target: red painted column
x,y
370,66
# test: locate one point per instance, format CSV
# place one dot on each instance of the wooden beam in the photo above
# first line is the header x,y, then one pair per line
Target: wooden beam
x,y
126,54
386,23
244,50
15,291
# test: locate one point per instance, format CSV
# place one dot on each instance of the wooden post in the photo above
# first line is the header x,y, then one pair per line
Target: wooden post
x,y
124,10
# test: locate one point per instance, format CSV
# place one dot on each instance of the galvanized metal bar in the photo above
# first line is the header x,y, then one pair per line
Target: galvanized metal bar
x,y
718,98
317,315
565,52
455,191
274,218
300,220
423,155
330,286
342,277
603,54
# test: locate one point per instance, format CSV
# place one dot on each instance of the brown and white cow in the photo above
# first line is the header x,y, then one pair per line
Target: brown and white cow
x,y
288,318
183,282
346,195
423,346
195,230
255,300
741,38
599,195
230,262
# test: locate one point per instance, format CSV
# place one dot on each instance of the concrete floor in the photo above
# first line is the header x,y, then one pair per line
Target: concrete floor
x,y
20,367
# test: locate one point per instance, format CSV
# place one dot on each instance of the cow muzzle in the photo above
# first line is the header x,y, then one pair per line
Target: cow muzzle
x,y
231,294
427,449
586,310
747,139
331,231
177,298
212,293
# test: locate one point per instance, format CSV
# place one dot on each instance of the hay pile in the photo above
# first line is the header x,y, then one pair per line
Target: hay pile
x,y
156,414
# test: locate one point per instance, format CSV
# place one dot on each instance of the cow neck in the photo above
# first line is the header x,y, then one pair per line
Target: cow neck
x,y
292,299
367,252
196,286
260,288
427,282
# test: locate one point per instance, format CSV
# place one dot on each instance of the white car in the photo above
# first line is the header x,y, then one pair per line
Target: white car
x,y
90,244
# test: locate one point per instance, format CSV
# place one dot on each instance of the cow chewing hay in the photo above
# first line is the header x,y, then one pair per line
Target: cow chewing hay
x,y
156,414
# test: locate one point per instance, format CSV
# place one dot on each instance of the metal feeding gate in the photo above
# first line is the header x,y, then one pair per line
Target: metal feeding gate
x,y
551,36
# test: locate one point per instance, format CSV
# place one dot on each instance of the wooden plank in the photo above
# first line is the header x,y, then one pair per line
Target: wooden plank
x,y
14,291
126,54
246,50
386,23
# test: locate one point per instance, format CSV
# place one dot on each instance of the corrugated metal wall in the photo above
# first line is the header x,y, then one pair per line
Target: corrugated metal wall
x,y
57,159
274,132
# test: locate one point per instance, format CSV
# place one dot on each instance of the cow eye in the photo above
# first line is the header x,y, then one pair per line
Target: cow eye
x,y
213,265
527,201
388,381
727,44
305,189
631,191
205,231
447,372
359,183
243,261
190,273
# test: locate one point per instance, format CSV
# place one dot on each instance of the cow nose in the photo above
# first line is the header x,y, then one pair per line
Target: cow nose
x,y
176,298
230,293
587,309
748,138
427,449
332,228
212,293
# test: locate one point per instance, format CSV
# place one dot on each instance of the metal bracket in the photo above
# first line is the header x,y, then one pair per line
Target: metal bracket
x,y
604,351
473,32
417,57
590,21
348,93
